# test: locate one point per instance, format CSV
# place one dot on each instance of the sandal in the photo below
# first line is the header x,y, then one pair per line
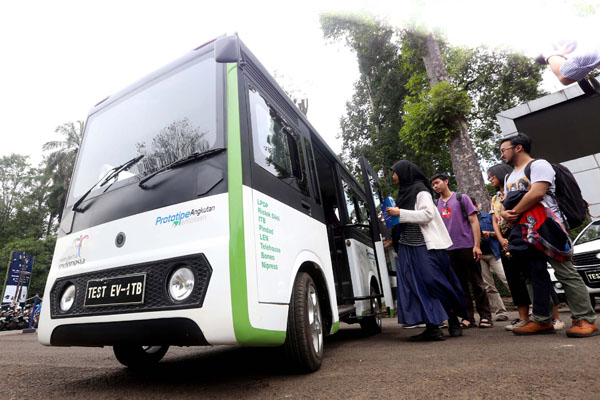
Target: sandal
x,y
485,323
466,324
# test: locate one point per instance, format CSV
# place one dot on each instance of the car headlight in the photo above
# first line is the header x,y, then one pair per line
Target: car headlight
x,y
181,284
67,298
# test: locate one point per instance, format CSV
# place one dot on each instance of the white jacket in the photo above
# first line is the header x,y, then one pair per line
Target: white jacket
x,y
429,219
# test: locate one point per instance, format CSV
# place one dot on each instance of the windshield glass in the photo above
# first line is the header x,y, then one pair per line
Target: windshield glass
x,y
165,120
592,232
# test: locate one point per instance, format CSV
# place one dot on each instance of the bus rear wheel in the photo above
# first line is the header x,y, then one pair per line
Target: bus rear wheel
x,y
304,339
137,357
371,324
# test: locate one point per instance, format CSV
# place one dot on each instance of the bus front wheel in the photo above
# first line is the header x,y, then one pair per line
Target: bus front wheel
x,y
304,339
133,356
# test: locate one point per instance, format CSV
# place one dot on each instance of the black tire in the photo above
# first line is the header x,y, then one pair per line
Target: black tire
x,y
371,324
138,357
304,339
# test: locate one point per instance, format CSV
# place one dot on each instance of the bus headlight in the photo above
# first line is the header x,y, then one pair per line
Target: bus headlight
x,y
67,298
181,284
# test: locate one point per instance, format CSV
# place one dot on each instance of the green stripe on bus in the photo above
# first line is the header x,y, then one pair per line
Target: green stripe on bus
x,y
244,332
335,327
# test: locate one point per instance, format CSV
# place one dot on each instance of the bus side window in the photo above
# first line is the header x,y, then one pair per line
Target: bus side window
x,y
276,145
357,209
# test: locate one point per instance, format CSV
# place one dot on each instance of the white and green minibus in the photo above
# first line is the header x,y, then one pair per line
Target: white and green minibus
x,y
204,209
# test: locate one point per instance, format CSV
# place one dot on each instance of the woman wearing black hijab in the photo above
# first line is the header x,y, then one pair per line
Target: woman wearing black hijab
x,y
428,289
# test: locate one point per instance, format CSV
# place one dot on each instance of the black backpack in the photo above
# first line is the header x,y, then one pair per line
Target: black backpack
x,y
573,207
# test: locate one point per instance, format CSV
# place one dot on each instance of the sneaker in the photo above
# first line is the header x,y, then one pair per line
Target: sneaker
x,y
534,328
413,326
443,325
516,323
581,328
558,324
502,317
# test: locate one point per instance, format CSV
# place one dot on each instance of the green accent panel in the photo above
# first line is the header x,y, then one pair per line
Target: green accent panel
x,y
335,327
392,312
244,332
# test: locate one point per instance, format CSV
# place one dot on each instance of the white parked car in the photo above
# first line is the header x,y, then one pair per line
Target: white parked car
x,y
586,258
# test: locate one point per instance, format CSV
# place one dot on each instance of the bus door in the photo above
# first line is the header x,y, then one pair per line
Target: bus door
x,y
379,232
359,248
332,207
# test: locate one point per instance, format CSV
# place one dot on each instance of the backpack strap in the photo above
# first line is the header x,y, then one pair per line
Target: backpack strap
x,y
528,170
528,175
462,206
549,192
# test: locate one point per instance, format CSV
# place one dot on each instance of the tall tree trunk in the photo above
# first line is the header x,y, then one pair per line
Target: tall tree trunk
x,y
463,157
371,102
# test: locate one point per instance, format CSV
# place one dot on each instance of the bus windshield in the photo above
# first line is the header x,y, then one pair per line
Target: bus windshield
x,y
165,120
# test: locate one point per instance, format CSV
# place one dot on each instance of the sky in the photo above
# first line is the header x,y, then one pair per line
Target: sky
x,y
59,58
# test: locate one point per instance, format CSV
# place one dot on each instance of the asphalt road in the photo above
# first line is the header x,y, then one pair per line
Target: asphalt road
x,y
484,363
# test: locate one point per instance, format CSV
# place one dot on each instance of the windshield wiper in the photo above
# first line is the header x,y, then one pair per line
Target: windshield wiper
x,y
192,157
107,178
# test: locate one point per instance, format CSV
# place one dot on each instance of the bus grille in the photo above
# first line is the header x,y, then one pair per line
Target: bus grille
x,y
156,297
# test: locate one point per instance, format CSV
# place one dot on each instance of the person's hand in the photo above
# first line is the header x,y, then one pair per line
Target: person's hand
x,y
486,234
504,243
510,216
393,211
387,243
477,253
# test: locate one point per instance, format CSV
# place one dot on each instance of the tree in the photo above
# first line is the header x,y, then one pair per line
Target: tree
x,y
464,160
482,84
470,87
59,165
16,180
374,115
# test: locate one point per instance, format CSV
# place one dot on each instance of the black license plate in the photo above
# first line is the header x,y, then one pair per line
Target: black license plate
x,y
593,276
114,291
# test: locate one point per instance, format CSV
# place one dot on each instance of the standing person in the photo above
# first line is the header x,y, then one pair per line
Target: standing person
x,y
428,290
514,271
514,267
541,181
490,261
465,252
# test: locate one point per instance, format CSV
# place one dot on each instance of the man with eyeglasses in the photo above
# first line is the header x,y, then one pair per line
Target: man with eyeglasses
x,y
515,152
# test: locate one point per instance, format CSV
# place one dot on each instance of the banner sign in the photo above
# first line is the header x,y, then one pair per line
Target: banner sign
x,y
18,276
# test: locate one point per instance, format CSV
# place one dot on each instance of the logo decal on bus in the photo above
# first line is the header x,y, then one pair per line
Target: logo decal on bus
x,y
78,243
74,259
184,217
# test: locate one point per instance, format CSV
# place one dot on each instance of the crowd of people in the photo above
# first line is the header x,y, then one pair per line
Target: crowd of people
x,y
444,247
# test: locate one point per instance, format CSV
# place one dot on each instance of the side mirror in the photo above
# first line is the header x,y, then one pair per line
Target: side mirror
x,y
227,49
